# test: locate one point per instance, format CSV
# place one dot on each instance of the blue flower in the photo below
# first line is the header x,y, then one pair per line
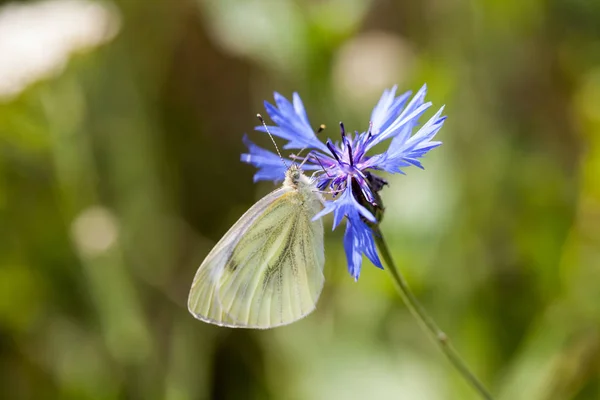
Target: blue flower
x,y
344,167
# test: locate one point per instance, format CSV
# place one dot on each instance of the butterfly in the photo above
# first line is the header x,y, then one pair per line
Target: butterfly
x,y
267,270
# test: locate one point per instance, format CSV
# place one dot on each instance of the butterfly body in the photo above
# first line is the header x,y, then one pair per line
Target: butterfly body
x,y
267,270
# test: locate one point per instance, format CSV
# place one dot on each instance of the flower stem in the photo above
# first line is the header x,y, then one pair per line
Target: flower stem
x,y
426,321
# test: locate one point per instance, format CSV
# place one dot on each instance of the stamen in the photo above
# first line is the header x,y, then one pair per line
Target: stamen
x,y
321,128
370,132
343,130
350,154
321,164
333,152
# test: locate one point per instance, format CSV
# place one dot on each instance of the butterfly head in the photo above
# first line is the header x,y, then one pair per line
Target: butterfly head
x,y
295,178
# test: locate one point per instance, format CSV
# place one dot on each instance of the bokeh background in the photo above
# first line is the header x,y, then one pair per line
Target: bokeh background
x,y
120,135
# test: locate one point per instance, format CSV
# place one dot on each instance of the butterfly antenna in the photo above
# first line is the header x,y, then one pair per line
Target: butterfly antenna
x,y
262,121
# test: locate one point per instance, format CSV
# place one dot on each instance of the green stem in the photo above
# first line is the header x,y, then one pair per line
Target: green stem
x,y
426,321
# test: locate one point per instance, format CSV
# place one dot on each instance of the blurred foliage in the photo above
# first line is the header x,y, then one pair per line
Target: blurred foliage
x,y
120,170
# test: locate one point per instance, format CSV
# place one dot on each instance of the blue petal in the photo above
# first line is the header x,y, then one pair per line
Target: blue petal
x,y
353,254
299,108
387,109
358,240
345,205
292,124
401,154
402,123
270,167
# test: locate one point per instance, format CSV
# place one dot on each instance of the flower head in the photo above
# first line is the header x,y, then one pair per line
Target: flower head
x,y
346,167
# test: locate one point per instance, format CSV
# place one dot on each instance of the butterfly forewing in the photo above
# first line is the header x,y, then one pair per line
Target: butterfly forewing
x,y
268,269
282,276
202,300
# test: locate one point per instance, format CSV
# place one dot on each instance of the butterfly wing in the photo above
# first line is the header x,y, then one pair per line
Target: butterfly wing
x,y
267,270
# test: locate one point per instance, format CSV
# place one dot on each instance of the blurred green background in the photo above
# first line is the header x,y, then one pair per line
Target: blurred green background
x,y
120,135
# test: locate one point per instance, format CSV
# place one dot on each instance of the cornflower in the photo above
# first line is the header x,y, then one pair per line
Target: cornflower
x,y
347,168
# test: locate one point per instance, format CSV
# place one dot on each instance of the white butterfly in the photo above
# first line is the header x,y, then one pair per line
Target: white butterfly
x,y
267,270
